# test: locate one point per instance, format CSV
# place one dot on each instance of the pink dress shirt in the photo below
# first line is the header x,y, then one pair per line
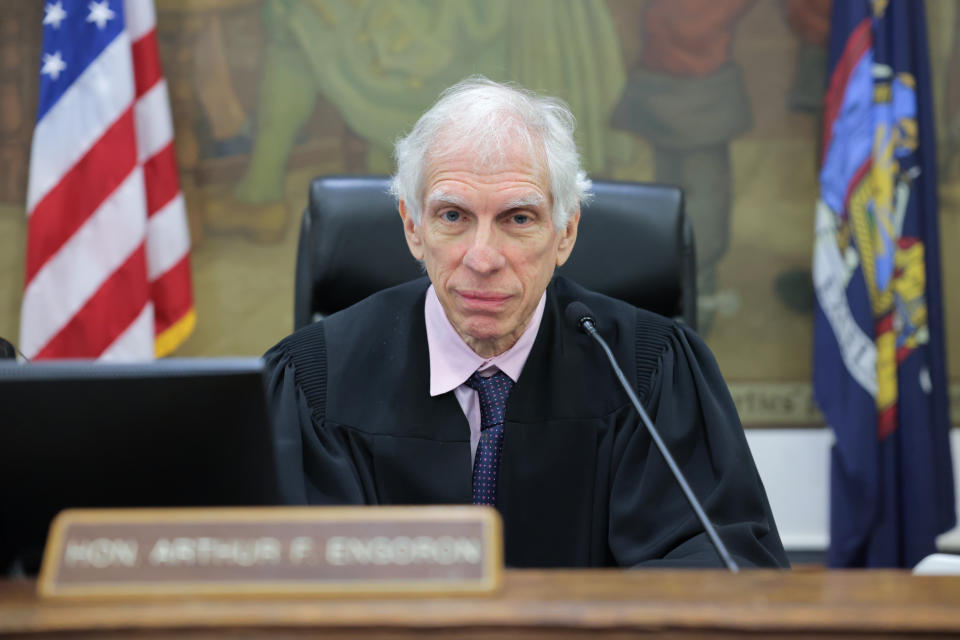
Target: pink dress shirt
x,y
452,361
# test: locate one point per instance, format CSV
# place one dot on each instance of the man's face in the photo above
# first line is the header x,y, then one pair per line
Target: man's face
x,y
487,239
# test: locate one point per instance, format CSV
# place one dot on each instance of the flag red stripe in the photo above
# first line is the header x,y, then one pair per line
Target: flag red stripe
x,y
172,295
106,315
886,422
161,179
78,194
859,175
903,352
858,43
883,324
147,69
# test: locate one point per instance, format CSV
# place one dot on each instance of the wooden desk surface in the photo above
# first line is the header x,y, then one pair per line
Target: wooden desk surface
x,y
538,604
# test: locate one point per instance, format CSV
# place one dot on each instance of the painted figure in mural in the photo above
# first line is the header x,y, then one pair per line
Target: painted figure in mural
x,y
688,98
809,21
228,122
950,149
471,384
381,63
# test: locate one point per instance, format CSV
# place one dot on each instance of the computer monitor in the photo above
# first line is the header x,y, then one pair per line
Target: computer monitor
x,y
177,432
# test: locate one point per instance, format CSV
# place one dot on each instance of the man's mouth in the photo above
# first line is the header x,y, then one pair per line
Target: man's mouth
x,y
483,301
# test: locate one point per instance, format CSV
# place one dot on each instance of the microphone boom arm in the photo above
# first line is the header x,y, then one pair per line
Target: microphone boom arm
x,y
587,325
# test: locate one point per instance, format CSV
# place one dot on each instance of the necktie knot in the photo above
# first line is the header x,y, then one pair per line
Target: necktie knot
x,y
493,392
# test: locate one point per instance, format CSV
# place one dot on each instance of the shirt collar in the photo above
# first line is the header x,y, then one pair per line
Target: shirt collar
x,y
452,361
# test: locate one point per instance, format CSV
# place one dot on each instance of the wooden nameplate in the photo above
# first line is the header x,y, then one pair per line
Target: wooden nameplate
x,y
324,551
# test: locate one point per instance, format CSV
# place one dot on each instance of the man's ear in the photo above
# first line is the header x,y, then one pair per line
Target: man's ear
x,y
568,238
411,232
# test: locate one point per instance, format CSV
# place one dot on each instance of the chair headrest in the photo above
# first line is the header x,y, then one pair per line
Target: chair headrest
x,y
631,245
355,241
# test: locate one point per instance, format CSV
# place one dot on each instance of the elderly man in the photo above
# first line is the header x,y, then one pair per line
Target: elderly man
x,y
469,386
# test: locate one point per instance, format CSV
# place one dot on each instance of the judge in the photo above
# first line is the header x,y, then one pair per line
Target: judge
x,y
468,386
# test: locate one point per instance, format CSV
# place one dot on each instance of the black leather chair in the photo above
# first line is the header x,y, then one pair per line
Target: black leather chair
x,y
634,244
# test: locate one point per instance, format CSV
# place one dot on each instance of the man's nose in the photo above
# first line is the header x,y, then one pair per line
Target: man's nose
x,y
484,255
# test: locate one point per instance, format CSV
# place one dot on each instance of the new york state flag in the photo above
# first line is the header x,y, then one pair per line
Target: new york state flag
x,y
879,366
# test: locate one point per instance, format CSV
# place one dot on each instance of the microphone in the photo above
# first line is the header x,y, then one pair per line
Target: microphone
x,y
580,317
7,350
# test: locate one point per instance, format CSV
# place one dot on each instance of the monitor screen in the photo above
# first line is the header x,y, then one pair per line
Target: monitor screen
x,y
176,432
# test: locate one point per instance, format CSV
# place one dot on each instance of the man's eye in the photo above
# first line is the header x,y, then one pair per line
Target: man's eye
x,y
521,218
451,215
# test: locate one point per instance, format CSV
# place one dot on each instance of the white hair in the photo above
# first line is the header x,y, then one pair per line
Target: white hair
x,y
487,118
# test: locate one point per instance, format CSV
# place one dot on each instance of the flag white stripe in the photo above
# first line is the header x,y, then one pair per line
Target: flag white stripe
x,y
140,18
80,118
68,280
136,342
168,238
154,126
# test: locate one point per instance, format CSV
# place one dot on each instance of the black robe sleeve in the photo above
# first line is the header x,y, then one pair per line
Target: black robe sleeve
x,y
690,405
315,465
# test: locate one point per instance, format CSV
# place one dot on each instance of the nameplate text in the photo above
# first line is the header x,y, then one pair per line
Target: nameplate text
x,y
274,550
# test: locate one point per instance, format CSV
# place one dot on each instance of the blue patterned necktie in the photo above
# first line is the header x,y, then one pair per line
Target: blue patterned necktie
x,y
493,392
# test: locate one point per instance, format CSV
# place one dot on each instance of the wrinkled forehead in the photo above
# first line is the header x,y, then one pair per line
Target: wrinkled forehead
x,y
441,196
484,154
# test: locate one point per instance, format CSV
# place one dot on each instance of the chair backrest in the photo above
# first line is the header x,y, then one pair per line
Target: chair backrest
x,y
634,244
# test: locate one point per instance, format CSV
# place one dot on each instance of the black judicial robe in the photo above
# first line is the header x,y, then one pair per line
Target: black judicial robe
x,y
581,484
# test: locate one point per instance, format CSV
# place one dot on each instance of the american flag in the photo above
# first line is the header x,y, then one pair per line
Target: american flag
x,y
108,248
